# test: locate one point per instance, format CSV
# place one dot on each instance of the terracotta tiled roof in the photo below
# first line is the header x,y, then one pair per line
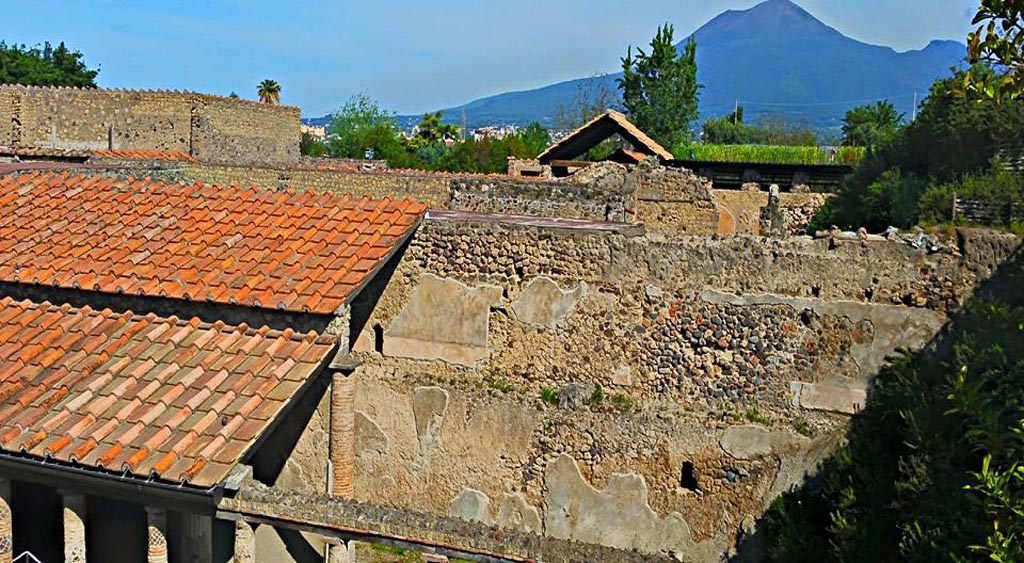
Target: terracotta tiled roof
x,y
599,129
291,251
179,400
176,156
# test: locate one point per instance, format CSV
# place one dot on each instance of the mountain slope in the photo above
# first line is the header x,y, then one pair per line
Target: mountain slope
x,y
776,58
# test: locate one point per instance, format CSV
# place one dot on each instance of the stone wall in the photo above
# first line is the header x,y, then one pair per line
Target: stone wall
x,y
562,381
227,130
739,211
591,201
209,127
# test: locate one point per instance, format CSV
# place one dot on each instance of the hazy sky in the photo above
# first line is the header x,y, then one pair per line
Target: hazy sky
x,y
411,55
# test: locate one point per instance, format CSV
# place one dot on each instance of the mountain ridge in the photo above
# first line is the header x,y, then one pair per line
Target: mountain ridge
x,y
775,58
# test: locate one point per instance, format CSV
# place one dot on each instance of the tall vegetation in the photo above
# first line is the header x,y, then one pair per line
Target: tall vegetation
x,y
45,65
871,125
660,89
950,147
769,130
362,129
269,92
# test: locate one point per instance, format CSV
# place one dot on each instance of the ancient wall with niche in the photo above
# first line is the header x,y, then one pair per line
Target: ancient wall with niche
x,y
523,376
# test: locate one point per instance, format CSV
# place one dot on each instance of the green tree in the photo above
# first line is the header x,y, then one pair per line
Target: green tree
x,y
361,125
310,146
269,92
534,138
45,66
869,125
997,43
431,130
660,89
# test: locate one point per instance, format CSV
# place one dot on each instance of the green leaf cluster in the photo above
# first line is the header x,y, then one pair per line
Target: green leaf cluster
x,y
44,65
660,89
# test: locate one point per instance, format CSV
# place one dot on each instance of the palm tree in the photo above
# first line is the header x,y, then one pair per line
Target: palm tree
x,y
269,92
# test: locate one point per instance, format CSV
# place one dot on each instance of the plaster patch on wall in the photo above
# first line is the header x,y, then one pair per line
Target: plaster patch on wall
x,y
619,516
370,439
473,506
544,304
443,320
429,405
750,442
517,514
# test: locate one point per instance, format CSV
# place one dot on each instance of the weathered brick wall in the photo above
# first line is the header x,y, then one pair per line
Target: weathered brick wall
x,y
209,127
87,119
235,131
702,375
540,199
10,102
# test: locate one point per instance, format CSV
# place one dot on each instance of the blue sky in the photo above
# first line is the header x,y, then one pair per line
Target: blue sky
x,y
411,55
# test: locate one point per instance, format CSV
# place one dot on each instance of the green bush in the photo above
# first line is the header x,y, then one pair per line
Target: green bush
x,y
549,396
768,154
932,469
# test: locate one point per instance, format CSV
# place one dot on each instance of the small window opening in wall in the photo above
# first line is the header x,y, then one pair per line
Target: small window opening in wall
x,y
378,339
816,290
687,477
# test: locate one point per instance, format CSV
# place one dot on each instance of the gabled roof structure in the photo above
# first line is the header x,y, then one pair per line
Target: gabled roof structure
x,y
169,399
597,130
290,251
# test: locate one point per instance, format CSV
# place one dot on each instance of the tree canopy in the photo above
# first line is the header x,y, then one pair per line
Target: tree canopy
x,y
660,89
269,92
996,48
45,65
869,125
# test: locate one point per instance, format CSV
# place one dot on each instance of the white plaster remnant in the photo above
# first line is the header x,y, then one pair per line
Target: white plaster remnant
x,y
429,405
473,506
817,396
370,439
619,516
751,442
444,320
544,304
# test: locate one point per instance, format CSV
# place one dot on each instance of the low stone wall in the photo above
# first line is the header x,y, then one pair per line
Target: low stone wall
x,y
594,202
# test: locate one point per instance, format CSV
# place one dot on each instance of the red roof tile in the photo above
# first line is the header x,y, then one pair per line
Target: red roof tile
x,y
113,398
128,154
276,250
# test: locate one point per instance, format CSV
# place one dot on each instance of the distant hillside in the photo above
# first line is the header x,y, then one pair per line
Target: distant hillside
x,y
775,58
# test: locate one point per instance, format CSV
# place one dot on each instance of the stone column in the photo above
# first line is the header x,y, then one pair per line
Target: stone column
x,y
197,536
156,527
6,529
245,543
343,434
74,527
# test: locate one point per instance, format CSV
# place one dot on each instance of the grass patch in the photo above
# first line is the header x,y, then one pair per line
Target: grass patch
x,y
549,396
597,395
623,402
757,417
802,427
499,385
769,154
